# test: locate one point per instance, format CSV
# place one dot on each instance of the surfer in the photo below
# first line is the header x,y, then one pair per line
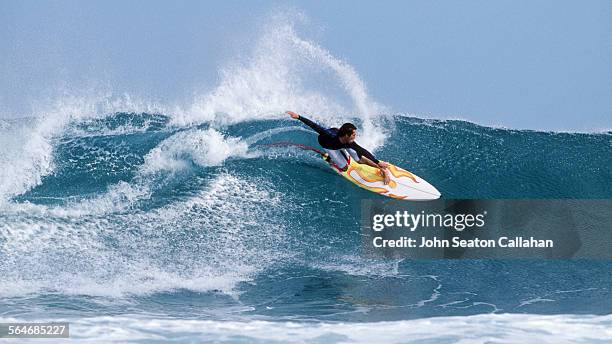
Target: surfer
x,y
340,146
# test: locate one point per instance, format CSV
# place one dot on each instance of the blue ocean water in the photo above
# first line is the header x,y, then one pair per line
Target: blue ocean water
x,y
138,227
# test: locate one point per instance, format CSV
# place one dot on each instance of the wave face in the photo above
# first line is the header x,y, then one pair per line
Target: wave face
x,y
140,215
115,208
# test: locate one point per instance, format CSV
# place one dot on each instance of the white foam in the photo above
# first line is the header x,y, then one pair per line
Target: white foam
x,y
485,328
25,157
210,241
203,147
274,78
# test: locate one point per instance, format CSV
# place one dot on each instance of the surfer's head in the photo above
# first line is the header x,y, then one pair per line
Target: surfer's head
x,y
347,133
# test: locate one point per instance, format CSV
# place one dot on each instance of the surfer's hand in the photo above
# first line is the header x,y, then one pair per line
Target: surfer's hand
x,y
383,164
292,114
386,177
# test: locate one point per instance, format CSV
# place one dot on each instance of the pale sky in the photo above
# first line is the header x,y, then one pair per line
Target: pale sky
x,y
520,64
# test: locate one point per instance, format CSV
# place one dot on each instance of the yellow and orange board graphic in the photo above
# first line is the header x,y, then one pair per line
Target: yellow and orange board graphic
x,y
402,184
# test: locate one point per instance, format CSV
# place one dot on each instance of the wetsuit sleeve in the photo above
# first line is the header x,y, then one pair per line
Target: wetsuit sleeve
x,y
319,129
362,151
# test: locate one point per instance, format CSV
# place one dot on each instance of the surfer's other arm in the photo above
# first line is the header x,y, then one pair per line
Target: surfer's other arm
x,y
367,158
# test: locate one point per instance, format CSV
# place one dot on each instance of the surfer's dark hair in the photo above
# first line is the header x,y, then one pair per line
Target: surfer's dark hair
x,y
346,129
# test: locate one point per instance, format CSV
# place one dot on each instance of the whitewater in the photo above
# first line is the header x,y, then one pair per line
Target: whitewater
x,y
138,221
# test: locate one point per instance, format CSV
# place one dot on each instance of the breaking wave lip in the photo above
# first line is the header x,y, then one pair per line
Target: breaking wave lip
x,y
28,144
117,124
482,328
273,79
203,147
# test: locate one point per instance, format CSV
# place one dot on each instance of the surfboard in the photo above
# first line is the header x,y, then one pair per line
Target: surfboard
x,y
403,184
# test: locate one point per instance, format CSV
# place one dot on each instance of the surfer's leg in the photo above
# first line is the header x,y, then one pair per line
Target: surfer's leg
x,y
353,154
337,158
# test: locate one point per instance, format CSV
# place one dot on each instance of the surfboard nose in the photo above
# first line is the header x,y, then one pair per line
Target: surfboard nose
x,y
429,191
438,193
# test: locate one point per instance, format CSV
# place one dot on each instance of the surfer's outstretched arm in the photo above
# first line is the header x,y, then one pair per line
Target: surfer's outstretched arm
x,y
319,129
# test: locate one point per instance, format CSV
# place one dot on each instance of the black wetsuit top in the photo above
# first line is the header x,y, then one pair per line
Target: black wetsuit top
x,y
328,138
